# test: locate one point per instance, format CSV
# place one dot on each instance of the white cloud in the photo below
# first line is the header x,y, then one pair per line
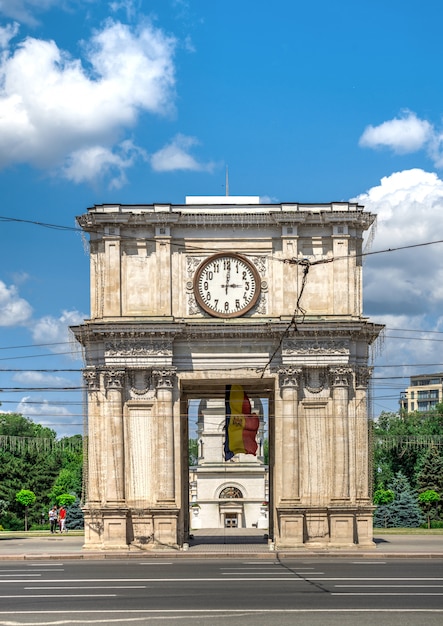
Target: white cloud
x,y
403,135
31,406
175,156
41,378
52,330
409,206
24,10
7,33
97,161
14,310
56,110
402,288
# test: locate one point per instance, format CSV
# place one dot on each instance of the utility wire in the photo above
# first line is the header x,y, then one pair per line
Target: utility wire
x,y
196,248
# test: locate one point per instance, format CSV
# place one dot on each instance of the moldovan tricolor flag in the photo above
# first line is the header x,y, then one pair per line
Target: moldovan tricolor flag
x,y
241,427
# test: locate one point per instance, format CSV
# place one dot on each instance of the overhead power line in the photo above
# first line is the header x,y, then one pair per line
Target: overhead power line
x,y
206,248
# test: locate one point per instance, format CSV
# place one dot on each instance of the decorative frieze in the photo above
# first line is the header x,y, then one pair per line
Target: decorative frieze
x,y
128,348
315,347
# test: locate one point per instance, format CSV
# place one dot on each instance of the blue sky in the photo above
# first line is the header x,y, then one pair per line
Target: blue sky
x,y
141,102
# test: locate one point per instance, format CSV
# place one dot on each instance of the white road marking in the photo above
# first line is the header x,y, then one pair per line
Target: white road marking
x,y
389,586
379,594
63,595
377,578
89,587
12,575
146,580
369,562
222,612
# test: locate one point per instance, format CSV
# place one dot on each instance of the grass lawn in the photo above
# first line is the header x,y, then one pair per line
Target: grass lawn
x,y
408,531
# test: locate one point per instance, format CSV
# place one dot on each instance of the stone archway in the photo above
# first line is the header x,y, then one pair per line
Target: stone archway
x,y
175,308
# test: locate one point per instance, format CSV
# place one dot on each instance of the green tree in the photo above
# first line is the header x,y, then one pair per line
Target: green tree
x,y
193,452
266,451
26,499
401,441
403,511
383,496
430,477
66,499
428,499
74,516
30,454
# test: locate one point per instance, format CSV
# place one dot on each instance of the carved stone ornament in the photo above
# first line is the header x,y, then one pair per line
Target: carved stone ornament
x,y
289,376
140,382
363,376
261,306
92,379
114,379
340,376
164,378
192,262
162,347
260,264
316,348
315,379
193,308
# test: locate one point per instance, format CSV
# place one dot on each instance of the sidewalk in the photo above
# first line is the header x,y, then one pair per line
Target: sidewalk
x,y
223,543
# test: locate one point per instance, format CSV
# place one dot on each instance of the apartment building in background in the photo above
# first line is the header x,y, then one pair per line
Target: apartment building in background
x,y
425,391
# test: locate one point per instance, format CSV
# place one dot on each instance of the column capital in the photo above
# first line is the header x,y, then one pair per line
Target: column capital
x,y
289,376
164,378
91,376
114,379
363,375
340,376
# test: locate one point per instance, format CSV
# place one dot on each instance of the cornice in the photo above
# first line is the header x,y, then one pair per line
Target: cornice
x,y
314,332
187,216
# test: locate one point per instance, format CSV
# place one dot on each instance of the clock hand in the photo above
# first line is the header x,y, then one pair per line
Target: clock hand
x,y
228,278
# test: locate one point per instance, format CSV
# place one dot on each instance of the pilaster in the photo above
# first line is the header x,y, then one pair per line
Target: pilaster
x,y
340,378
165,379
114,452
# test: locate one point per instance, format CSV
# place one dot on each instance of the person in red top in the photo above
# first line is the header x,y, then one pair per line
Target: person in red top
x,y
62,519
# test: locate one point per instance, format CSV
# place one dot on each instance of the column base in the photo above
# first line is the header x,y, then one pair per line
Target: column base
x,y
325,527
106,529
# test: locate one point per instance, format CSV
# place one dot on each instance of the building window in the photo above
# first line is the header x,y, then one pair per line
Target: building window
x,y
230,492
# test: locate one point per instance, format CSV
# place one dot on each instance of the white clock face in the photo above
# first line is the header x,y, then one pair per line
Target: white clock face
x,y
226,285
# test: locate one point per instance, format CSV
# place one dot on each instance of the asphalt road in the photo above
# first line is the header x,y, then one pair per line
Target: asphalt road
x,y
211,591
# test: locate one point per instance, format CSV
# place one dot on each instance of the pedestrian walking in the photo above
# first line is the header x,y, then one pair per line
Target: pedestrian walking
x,y
62,520
53,516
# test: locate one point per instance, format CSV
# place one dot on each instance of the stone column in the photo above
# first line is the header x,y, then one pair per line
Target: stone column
x,y
113,457
340,378
94,487
94,451
289,380
362,469
165,436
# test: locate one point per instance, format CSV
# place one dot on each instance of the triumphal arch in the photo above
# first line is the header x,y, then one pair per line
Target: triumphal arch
x,y
187,299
